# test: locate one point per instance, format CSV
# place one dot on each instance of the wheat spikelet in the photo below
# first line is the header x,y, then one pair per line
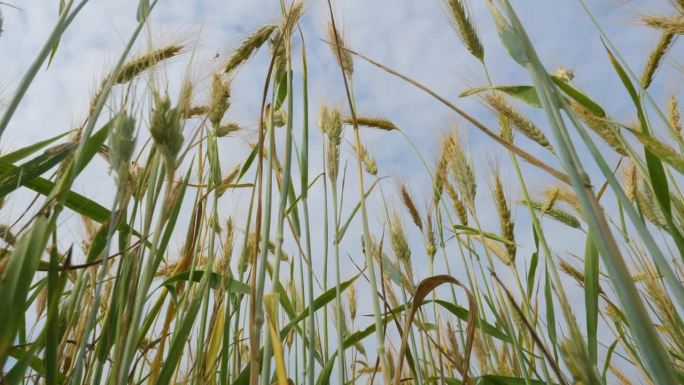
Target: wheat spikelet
x,y
577,361
372,122
454,346
227,245
656,57
504,213
551,197
462,171
563,195
620,376
343,57
497,250
440,175
673,25
629,175
292,17
430,241
137,182
248,46
660,149
121,144
557,214
220,99
389,292
648,205
480,353
195,111
352,301
140,64
462,22
601,126
662,305
573,272
331,125
410,206
228,179
185,97
459,206
227,129
166,129
398,241
673,117
498,103
368,161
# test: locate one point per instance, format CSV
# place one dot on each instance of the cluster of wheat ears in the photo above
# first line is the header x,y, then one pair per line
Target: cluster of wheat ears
x,y
242,301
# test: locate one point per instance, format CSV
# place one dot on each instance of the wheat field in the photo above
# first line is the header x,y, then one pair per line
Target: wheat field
x,y
282,251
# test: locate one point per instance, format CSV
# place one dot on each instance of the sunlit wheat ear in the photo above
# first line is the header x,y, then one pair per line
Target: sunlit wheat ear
x,y
573,272
563,194
498,103
228,179
462,171
551,197
440,175
673,116
457,203
662,305
352,301
250,250
227,129
372,122
90,229
185,97
454,346
398,239
228,245
195,111
504,213
220,99
629,175
368,161
292,17
249,46
673,24
462,21
343,57
410,205
430,239
656,58
142,63
480,354
331,125
555,213
323,113
389,292
647,203
602,126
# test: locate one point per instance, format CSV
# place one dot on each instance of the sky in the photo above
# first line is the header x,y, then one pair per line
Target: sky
x,y
412,37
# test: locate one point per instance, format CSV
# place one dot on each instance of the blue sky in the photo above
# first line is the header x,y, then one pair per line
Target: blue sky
x,y
413,37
